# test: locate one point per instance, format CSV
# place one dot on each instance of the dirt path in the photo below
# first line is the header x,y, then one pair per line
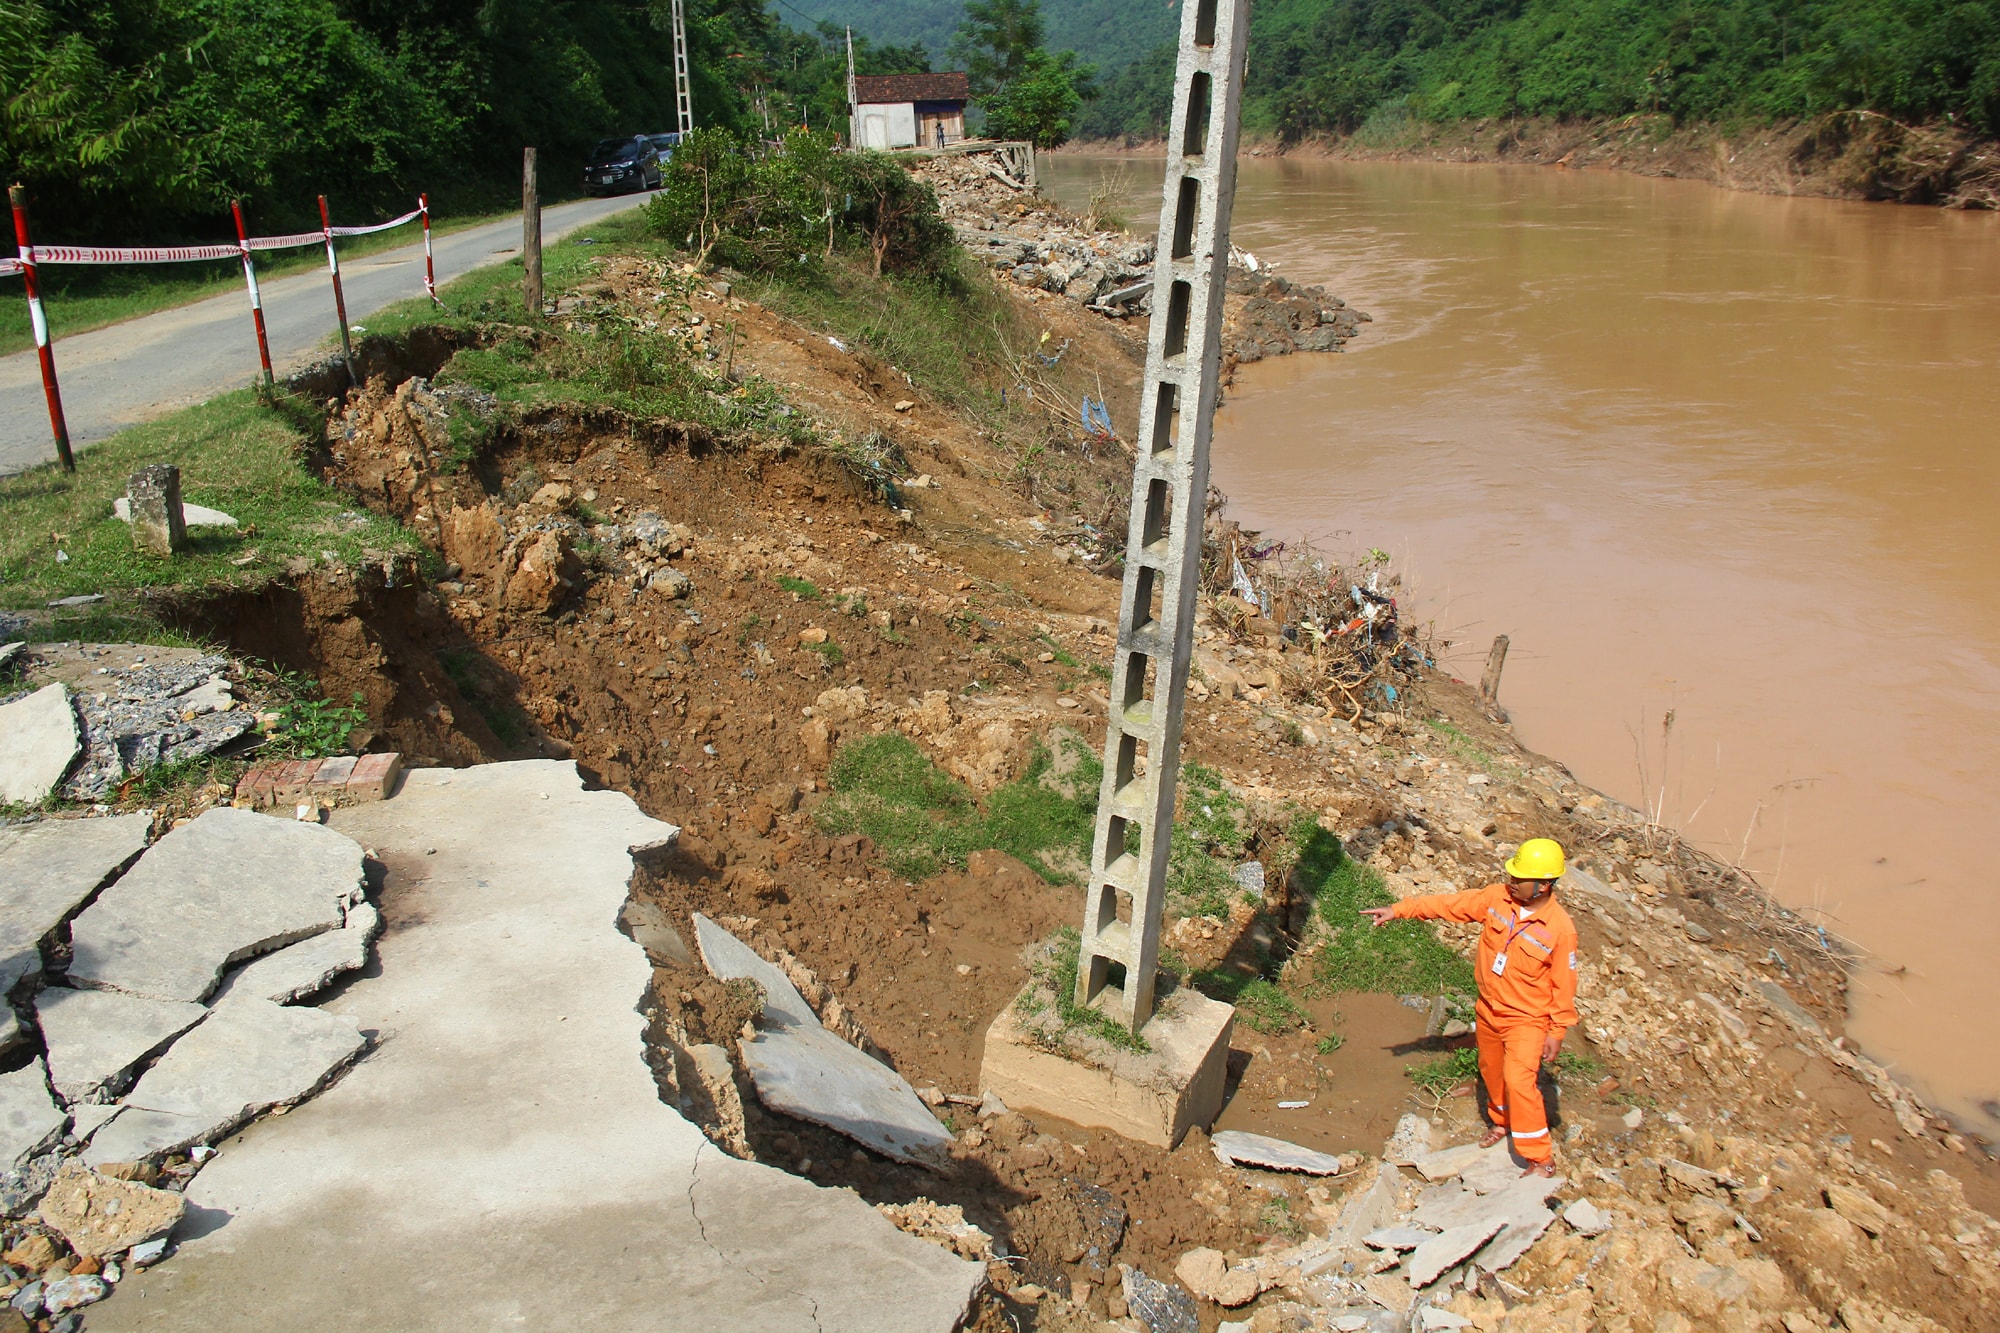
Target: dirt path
x,y
128,373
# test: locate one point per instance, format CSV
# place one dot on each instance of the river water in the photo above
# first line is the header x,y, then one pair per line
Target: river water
x,y
1723,458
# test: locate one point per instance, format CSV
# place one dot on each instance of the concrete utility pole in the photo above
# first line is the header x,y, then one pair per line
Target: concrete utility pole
x,y
853,97
1135,809
683,94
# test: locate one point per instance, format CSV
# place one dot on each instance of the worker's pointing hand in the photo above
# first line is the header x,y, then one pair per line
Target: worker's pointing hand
x,y
1381,916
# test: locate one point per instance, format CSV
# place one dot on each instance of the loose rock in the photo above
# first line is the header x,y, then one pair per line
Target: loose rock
x,y
100,1216
38,742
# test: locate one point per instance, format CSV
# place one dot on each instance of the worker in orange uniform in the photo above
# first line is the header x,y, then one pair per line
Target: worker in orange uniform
x,y
1527,988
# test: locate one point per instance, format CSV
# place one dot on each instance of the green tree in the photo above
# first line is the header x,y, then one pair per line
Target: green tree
x,y
1041,102
995,42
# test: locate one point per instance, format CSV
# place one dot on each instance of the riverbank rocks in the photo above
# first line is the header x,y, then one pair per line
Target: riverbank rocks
x,y
38,742
99,1215
230,885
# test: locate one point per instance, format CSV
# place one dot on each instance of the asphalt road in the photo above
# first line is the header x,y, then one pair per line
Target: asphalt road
x,y
127,373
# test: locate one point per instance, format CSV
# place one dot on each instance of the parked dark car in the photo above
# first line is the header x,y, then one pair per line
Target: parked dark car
x,y
664,145
619,166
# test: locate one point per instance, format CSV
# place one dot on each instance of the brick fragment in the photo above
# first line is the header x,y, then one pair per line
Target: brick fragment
x,y
330,779
374,777
257,786
293,782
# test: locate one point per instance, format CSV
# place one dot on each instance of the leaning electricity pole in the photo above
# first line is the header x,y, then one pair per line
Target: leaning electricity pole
x,y
683,95
1135,809
853,97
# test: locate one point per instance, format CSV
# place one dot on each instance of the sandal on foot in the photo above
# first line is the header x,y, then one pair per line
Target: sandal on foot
x,y
1545,1170
1493,1136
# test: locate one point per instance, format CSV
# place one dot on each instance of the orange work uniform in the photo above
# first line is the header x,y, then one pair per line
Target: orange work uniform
x,y
1527,989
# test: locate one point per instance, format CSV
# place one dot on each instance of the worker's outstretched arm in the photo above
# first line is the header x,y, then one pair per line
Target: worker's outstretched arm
x,y
1469,906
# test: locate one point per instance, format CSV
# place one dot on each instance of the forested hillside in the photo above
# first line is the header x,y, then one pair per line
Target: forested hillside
x,y
1107,33
1320,66
135,120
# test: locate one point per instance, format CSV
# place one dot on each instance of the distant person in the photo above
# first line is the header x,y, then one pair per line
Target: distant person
x,y
1527,988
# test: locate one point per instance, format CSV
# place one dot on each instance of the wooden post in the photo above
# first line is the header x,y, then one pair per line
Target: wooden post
x,y
256,297
31,276
531,236
339,298
1489,684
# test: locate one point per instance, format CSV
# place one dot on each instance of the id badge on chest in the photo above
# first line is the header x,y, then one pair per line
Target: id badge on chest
x,y
1499,964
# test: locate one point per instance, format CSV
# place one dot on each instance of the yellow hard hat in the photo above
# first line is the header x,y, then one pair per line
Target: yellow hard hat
x,y
1538,858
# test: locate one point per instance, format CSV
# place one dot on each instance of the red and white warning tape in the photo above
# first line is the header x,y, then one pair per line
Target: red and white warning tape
x,y
184,254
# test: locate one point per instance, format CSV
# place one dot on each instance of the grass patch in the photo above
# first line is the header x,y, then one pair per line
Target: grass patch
x,y
1440,1075
802,589
1402,957
1049,1003
1259,1002
924,821
941,332
832,653
60,538
311,728
81,298
1461,746
1208,842
1061,654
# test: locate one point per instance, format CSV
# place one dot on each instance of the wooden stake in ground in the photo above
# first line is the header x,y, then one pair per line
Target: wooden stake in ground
x,y
531,236
1489,684
1120,951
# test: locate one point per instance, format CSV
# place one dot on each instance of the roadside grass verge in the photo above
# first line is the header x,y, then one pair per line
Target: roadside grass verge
x,y
84,297
59,537
1403,957
947,334
924,821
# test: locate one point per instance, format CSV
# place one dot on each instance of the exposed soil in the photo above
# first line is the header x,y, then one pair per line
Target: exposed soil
x,y
1847,155
675,666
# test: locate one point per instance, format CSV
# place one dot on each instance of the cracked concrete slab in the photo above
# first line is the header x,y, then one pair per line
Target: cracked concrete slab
x,y
38,742
248,1056
94,1038
1235,1147
29,1118
308,967
505,1115
50,869
802,1070
228,886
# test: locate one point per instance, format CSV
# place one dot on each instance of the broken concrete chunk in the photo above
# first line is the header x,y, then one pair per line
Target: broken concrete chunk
x,y
1397,1238
230,885
308,967
1448,1206
133,1136
1411,1140
249,1056
50,869
94,1038
1450,1248
729,958
38,742
86,1118
652,930
195,516
1586,1218
30,1120
802,1070
1859,1208
100,1216
1234,1147
1448,1162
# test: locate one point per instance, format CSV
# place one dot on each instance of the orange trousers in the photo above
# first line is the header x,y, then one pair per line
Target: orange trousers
x,y
1510,1058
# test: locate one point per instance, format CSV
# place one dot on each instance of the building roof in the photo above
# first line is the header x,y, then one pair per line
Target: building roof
x,y
870,89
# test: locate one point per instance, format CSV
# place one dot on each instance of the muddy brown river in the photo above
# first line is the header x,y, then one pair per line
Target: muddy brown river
x,y
1724,459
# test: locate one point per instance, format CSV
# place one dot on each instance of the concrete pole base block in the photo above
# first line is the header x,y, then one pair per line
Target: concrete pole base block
x,y
1152,1097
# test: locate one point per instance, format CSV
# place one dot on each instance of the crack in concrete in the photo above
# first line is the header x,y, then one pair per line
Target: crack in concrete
x,y
695,1209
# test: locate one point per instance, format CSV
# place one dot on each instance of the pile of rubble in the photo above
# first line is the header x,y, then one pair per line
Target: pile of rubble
x,y
160,987
1013,229
109,712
